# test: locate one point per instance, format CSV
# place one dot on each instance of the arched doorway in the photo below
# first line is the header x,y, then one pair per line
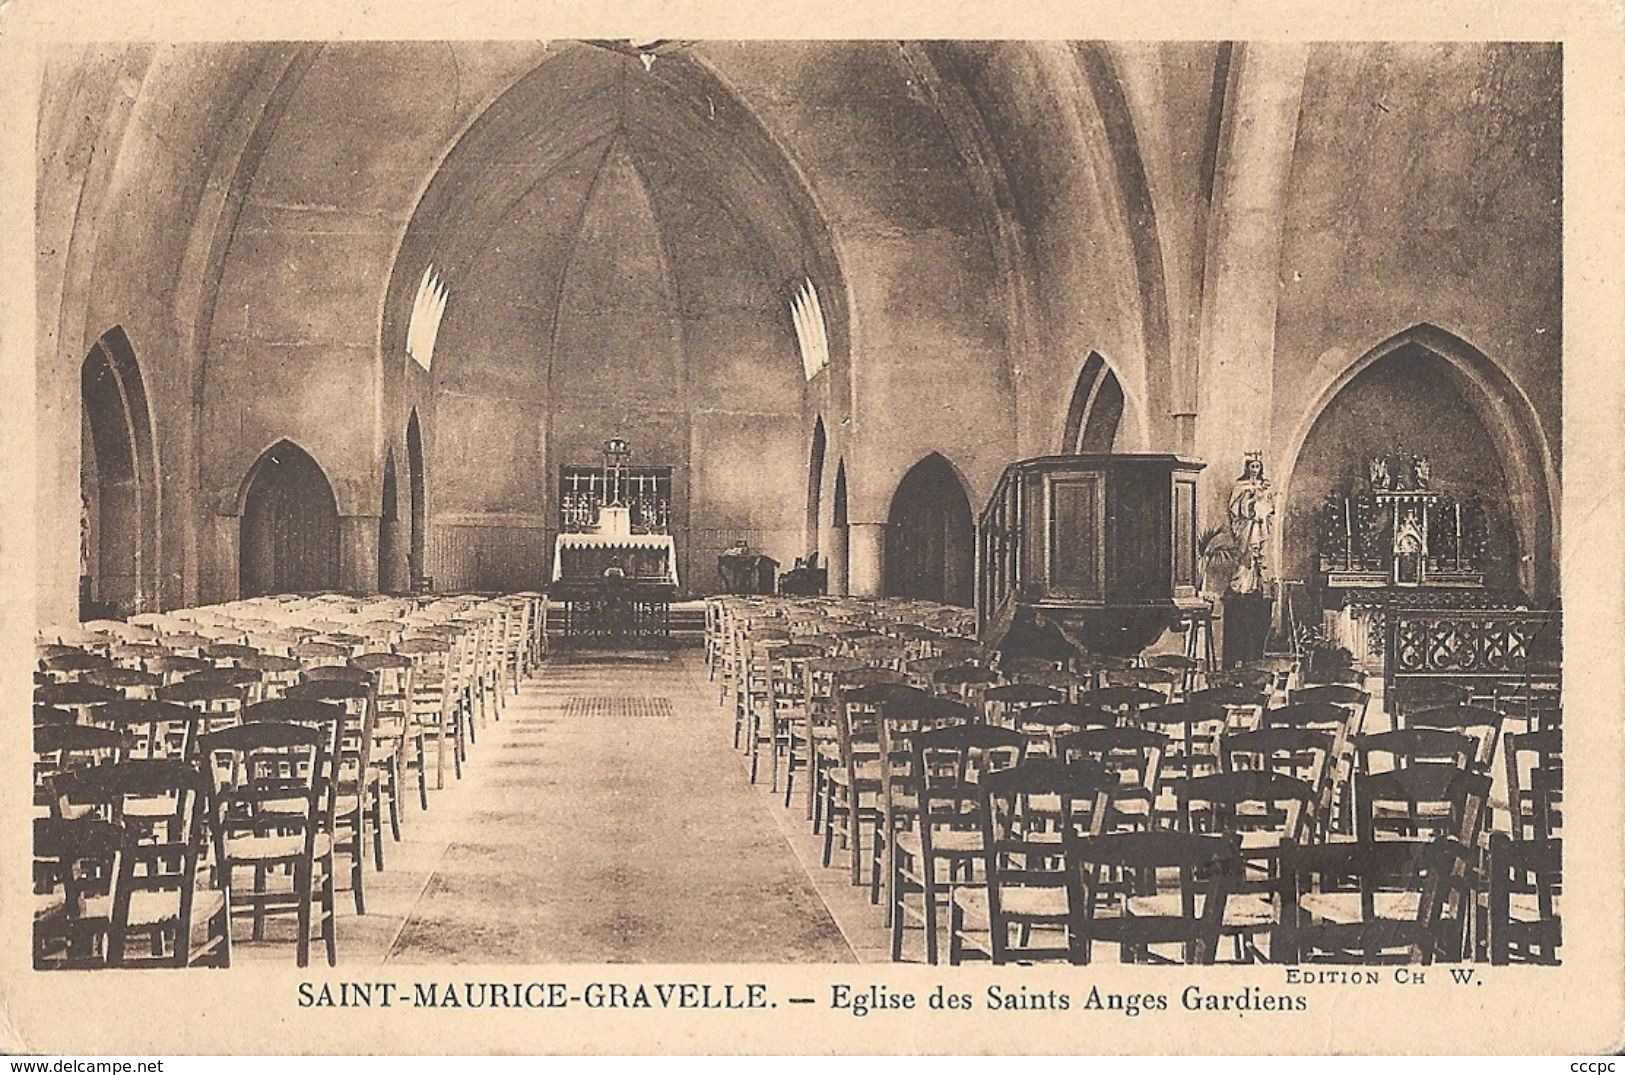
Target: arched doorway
x,y
1096,409
118,485
837,533
417,513
930,537
390,560
1427,393
815,490
290,525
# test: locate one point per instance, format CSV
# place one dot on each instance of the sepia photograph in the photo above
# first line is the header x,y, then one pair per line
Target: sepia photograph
x,y
1005,511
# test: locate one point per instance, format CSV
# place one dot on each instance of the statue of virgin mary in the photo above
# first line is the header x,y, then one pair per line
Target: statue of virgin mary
x,y
1252,516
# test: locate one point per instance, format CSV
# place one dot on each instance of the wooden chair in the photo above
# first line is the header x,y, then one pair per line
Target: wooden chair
x,y
183,643
967,682
1032,889
278,642
788,706
1045,724
1342,721
1266,812
135,654
899,722
822,750
219,705
755,709
1411,695
63,747
1483,724
1414,792
357,788
852,788
1124,700
388,744
1244,707
1164,681
945,766
248,680
315,654
1248,678
492,662
75,860
130,682
436,708
1001,703
397,736
1187,668
1302,753
1369,901
1134,756
71,666
1526,879
50,714
277,673
157,897
1534,768
753,686
516,629
229,654
713,635
1128,903
1192,731
152,729
273,807
81,699
1351,698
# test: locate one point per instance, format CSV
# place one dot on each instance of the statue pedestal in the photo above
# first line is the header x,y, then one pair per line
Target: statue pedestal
x,y
1247,619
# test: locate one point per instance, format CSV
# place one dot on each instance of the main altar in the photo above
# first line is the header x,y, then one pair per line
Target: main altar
x,y
614,561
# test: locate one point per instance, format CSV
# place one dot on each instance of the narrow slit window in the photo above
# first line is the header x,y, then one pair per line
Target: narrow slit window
x,y
812,336
427,310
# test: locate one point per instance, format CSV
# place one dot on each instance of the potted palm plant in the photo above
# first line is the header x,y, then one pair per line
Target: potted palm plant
x,y
1217,555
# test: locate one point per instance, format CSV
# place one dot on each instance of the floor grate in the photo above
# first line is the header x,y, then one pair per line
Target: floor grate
x,y
595,707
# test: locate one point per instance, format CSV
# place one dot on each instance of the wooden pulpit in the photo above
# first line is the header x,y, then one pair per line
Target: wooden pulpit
x,y
1099,549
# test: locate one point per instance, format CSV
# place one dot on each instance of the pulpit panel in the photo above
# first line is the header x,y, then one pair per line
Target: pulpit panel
x,y
1077,528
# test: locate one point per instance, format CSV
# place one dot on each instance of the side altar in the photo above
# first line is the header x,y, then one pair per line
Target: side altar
x,y
614,576
1399,541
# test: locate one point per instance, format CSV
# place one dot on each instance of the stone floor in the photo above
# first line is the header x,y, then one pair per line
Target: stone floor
x,y
606,818
603,818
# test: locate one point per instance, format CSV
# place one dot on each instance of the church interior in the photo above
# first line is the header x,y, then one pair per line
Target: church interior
x,y
798,501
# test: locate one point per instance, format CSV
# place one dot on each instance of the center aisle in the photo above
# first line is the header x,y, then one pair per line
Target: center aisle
x,y
606,819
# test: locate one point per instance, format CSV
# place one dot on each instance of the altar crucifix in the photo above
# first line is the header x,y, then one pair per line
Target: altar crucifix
x,y
616,453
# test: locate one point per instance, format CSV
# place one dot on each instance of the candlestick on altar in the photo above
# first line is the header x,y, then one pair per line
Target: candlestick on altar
x,y
1458,535
1348,534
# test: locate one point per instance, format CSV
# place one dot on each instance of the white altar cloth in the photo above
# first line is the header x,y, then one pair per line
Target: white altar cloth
x,y
629,542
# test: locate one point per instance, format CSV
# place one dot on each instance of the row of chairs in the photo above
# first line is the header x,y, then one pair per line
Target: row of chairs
x,y
210,763
841,691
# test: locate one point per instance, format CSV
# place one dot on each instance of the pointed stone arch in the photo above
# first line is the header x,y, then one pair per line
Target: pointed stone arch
x,y
290,524
1521,444
931,535
417,487
119,488
1100,414
815,487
